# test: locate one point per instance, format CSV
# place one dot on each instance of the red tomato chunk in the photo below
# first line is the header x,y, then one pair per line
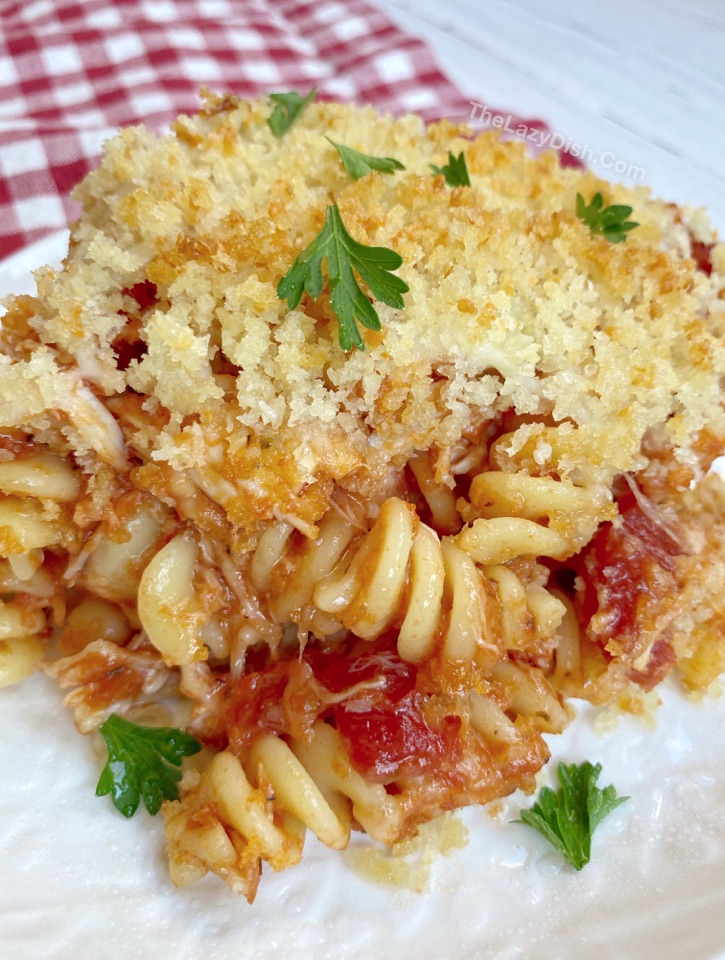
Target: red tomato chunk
x,y
371,699
630,576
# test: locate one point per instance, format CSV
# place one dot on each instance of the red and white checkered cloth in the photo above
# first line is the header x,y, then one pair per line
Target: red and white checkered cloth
x,y
72,72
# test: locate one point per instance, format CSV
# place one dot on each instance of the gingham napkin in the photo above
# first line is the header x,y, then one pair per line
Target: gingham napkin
x,y
72,72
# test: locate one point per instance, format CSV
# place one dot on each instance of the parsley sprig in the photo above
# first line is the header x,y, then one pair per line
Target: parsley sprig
x,y
455,171
287,109
142,762
569,816
344,255
608,222
359,164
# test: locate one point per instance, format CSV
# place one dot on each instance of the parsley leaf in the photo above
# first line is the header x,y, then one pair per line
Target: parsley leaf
x,y
287,109
455,171
608,222
569,816
142,762
343,254
359,164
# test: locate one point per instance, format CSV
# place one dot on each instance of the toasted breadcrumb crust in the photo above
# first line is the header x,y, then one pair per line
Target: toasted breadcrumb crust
x,y
513,306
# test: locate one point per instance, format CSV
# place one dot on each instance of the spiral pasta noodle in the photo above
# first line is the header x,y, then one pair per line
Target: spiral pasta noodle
x,y
287,572
456,596
254,808
30,521
400,574
307,785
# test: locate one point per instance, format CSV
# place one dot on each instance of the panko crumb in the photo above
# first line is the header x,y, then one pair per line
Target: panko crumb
x,y
166,313
635,702
497,810
408,863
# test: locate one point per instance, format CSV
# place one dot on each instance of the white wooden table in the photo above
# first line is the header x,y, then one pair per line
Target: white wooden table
x,y
639,82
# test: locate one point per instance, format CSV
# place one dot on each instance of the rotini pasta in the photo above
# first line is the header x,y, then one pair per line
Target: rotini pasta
x,y
245,811
26,596
19,655
24,527
528,613
289,590
312,785
441,499
167,604
401,575
505,538
43,476
115,562
94,619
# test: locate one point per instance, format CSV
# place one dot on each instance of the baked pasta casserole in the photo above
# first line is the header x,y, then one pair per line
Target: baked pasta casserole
x,y
374,567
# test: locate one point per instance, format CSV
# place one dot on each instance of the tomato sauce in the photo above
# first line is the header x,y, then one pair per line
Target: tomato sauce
x,y
129,346
255,706
145,294
395,740
630,575
701,254
370,697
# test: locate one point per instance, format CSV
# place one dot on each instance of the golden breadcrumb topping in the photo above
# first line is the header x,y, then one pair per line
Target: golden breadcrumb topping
x,y
166,309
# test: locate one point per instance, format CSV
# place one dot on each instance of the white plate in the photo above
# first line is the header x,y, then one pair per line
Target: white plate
x,y
78,881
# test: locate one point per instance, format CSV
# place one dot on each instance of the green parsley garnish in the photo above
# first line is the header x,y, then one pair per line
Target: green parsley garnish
x,y
142,761
609,222
287,109
343,255
455,171
569,816
359,164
